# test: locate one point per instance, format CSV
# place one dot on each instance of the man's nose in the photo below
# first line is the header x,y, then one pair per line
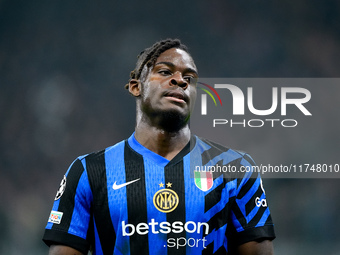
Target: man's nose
x,y
177,79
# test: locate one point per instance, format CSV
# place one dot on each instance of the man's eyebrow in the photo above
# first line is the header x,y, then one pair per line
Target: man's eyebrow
x,y
165,63
170,64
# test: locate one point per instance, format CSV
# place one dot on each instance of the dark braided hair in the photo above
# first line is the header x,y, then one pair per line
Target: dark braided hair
x,y
149,55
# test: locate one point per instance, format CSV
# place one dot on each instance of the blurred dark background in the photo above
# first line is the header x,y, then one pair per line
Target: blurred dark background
x,y
63,67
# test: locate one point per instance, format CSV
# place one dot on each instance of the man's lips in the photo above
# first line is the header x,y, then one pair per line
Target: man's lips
x,y
176,96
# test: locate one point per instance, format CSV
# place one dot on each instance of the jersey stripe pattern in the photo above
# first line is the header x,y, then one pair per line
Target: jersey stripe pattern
x,y
127,199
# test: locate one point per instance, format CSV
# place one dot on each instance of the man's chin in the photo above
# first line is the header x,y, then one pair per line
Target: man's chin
x,y
173,121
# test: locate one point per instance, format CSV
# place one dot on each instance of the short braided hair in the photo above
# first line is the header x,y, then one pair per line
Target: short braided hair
x,y
149,56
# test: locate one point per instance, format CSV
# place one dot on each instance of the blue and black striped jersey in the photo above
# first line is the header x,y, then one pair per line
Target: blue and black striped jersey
x,y
127,199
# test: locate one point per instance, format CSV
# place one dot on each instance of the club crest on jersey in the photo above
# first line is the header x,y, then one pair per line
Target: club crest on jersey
x,y
165,200
203,180
61,189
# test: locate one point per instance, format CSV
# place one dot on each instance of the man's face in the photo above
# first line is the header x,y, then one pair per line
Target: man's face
x,y
170,85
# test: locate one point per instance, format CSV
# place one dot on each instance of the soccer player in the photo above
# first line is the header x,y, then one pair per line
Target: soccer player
x,y
144,195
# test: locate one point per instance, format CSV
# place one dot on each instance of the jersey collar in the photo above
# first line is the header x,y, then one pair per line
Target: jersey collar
x,y
145,152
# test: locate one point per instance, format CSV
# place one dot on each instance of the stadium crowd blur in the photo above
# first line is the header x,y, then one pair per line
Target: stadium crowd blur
x,y
63,67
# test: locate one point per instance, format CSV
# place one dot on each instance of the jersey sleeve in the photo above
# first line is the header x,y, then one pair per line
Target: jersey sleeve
x,y
69,221
250,214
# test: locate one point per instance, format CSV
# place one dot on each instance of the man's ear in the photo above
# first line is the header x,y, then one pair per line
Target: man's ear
x,y
135,87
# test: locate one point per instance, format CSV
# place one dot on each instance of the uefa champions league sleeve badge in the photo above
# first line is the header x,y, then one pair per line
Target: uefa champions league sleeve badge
x,y
61,189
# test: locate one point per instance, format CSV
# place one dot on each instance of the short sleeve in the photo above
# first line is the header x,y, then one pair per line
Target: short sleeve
x,y
70,218
250,214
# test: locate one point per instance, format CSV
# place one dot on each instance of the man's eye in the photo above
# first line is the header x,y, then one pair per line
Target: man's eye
x,y
190,79
164,72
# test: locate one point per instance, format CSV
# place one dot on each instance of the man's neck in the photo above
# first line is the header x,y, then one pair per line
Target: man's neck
x,y
165,144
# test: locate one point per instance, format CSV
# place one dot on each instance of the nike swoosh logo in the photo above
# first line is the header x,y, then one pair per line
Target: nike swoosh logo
x,y
115,186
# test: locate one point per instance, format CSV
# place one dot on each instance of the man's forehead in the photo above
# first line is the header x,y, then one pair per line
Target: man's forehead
x,y
177,57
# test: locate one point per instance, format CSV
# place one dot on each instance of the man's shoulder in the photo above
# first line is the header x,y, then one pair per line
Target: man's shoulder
x,y
218,147
213,150
95,155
